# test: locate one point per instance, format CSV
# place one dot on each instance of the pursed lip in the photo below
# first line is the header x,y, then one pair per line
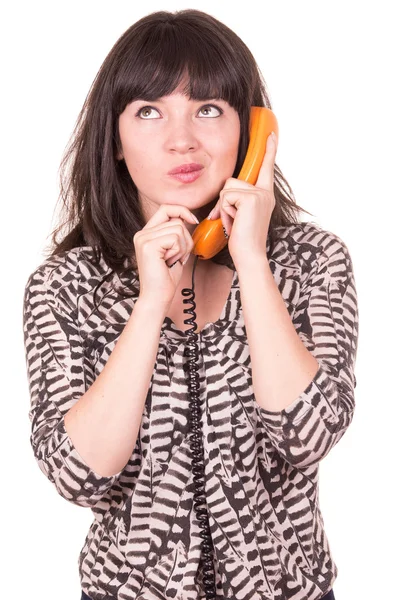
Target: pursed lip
x,y
186,168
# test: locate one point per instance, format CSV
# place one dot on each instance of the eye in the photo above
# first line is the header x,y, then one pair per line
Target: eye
x,y
147,111
210,110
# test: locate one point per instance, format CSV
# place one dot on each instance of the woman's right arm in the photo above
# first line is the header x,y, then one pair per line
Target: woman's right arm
x,y
83,435
104,423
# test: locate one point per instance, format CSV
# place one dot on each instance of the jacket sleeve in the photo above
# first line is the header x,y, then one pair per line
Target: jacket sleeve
x,y
326,320
56,370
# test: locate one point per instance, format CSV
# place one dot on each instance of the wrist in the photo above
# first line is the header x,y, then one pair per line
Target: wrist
x,y
254,264
151,307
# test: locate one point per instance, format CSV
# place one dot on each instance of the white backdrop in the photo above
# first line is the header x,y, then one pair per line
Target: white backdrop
x,y
330,70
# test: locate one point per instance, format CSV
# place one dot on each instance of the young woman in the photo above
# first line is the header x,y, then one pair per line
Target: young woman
x,y
105,337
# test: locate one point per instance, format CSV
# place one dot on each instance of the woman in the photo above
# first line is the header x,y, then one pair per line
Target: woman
x,y
105,335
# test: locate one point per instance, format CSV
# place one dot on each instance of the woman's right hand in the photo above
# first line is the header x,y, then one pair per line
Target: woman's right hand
x,y
162,241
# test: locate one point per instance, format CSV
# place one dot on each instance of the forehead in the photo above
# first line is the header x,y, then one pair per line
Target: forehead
x,y
180,92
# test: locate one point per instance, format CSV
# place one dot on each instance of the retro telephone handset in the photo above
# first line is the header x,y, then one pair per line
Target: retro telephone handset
x,y
209,239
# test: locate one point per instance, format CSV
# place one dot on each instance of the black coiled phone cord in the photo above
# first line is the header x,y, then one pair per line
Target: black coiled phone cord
x,y
196,444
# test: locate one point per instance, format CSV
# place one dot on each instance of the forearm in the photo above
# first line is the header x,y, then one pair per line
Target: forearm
x,y
104,423
282,367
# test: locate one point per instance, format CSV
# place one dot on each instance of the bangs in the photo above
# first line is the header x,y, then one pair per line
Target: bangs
x,y
167,55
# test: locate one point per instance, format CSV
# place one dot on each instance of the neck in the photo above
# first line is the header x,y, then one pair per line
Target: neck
x,y
203,267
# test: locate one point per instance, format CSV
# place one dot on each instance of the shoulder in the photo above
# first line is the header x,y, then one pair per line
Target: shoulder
x,y
314,250
60,278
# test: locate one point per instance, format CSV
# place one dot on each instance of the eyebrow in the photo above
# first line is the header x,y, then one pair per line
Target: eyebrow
x,y
159,100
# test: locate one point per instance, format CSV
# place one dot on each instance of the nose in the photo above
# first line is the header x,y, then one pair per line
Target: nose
x,y
181,137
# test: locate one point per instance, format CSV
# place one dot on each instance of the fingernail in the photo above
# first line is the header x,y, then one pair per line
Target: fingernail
x,y
225,232
195,218
274,137
209,216
185,261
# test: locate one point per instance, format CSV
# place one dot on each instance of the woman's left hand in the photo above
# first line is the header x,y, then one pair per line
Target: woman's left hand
x,y
246,209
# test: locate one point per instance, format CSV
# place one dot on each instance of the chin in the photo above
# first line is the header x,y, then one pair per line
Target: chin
x,y
199,203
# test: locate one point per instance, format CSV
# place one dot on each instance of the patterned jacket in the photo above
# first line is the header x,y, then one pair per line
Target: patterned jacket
x,y
261,467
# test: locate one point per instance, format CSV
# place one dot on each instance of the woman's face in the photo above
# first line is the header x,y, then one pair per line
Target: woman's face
x,y
160,136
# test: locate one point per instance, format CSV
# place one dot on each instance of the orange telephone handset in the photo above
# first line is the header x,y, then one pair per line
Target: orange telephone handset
x,y
208,237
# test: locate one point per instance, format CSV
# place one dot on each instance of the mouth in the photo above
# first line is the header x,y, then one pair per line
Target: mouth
x,y
187,177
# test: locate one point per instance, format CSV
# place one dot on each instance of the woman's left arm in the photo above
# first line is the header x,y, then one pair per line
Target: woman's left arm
x,y
303,368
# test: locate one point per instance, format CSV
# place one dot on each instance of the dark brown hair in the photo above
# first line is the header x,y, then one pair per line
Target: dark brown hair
x,y
100,201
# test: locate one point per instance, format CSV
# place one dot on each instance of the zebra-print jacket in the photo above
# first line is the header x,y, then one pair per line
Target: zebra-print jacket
x,y
261,467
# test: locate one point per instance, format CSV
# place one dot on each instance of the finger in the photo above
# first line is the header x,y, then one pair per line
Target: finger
x,y
169,244
226,208
265,179
228,214
174,225
215,212
168,211
231,194
168,214
187,241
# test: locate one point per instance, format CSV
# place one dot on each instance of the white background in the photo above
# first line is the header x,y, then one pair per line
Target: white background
x,y
330,69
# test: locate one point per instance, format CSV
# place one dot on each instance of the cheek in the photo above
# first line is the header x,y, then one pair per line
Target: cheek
x,y
228,152
230,144
135,158
141,164
138,161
